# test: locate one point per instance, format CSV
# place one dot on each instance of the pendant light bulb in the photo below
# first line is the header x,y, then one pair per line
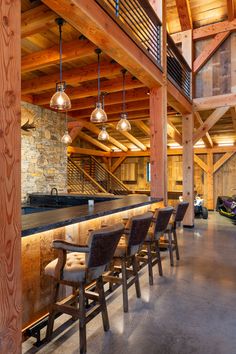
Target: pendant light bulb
x,y
66,139
60,101
98,115
103,135
123,125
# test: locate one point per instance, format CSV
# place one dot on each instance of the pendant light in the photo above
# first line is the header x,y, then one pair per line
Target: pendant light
x,y
98,115
103,135
60,100
66,139
123,124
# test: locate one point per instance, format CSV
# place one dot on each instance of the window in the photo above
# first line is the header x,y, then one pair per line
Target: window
x,y
148,174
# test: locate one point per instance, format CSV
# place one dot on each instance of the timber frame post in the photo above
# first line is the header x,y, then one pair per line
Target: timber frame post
x,y
10,178
188,168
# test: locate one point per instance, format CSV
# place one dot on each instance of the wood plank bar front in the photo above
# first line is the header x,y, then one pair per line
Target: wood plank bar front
x,y
10,181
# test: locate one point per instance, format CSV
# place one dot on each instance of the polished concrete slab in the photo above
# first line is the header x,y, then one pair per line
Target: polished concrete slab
x,y
191,309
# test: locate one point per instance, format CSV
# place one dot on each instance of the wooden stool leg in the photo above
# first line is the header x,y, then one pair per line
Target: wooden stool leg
x,y
158,257
149,256
170,248
103,304
82,320
176,244
52,313
135,272
124,286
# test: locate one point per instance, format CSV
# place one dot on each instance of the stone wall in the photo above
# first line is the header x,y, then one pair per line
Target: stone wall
x,y
44,158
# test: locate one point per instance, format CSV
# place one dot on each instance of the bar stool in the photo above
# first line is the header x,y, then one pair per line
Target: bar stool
x,y
125,256
151,255
84,265
171,242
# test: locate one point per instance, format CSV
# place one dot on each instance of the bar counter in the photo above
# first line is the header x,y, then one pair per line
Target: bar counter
x,y
71,224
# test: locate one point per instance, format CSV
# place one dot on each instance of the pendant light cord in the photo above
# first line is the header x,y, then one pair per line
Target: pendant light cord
x,y
123,94
99,77
60,50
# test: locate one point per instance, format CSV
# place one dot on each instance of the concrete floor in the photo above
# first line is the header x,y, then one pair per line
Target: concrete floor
x,y
192,309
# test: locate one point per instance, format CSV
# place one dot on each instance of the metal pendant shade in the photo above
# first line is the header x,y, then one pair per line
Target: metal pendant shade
x,y
98,115
66,139
60,101
103,135
123,124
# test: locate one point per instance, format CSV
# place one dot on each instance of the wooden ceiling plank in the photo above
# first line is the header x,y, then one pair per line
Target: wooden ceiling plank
x,y
230,9
212,30
72,77
212,102
173,133
209,123
233,114
92,141
222,160
209,50
201,163
184,12
86,90
72,50
117,163
207,138
131,138
94,129
36,20
143,127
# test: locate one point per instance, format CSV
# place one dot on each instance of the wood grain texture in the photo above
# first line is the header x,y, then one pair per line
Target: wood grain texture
x,y
10,155
184,12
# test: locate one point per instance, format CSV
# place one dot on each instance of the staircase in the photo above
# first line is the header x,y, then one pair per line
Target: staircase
x,y
80,181
103,177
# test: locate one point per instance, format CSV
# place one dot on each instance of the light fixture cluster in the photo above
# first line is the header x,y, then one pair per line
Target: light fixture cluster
x,y
60,101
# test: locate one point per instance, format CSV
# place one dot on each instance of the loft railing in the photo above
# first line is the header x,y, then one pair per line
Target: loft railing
x,y
101,175
138,19
178,70
79,181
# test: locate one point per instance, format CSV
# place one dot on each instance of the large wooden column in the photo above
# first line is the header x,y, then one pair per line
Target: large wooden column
x,y
210,181
10,216
158,143
188,168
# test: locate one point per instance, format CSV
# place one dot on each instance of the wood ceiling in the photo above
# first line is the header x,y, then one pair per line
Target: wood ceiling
x,y
40,72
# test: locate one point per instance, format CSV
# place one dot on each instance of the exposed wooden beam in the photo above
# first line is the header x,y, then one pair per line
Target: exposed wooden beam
x,y
209,50
72,77
116,108
92,141
138,94
74,132
206,138
10,179
83,151
212,102
37,20
91,20
131,138
201,163
94,129
209,123
176,100
212,30
117,163
233,114
143,127
43,58
222,160
90,89
230,9
184,12
173,133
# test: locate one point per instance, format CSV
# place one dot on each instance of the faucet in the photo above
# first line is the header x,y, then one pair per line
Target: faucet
x,y
54,189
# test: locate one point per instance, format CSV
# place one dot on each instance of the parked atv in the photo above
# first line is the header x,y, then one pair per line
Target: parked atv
x,y
199,210
227,206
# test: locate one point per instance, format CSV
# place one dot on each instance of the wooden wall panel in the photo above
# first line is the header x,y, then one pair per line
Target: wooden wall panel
x,y
218,75
224,179
10,201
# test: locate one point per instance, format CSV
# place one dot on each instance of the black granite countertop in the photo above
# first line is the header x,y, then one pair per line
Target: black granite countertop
x,y
48,220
